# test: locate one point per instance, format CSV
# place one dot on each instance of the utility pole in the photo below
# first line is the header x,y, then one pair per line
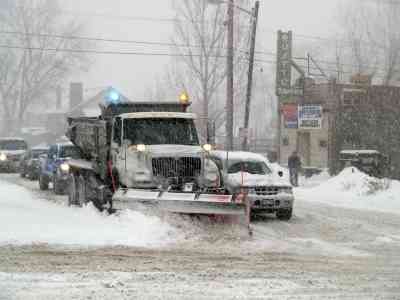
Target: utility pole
x,y
245,145
229,91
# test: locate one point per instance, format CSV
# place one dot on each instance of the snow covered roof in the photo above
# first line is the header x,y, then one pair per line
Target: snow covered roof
x,y
354,152
239,155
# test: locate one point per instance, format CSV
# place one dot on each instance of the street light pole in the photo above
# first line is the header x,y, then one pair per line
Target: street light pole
x,y
229,91
245,145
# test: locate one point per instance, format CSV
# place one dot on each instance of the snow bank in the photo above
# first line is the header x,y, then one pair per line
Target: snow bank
x,y
26,220
354,189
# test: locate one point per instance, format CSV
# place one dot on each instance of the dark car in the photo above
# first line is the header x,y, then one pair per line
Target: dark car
x,y
371,162
54,167
11,151
30,162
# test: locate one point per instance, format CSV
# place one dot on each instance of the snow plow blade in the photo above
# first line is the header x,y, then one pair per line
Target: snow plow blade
x,y
185,203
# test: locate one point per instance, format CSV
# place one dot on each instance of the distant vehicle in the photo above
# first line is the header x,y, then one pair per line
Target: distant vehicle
x,y
30,162
249,174
11,151
371,162
54,167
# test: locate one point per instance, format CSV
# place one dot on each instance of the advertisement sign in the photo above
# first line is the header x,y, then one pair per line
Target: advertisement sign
x,y
284,64
310,117
290,116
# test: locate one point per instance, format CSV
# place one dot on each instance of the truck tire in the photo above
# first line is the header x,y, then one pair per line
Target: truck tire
x,y
58,190
22,173
43,183
72,191
81,188
284,214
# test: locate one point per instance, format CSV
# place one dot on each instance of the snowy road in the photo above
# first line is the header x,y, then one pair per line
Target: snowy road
x,y
50,251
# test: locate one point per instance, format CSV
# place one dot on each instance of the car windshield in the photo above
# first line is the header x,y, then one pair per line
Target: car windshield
x,y
70,151
160,131
252,167
12,145
37,153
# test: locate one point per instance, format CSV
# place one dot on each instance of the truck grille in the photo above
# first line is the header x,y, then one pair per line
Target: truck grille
x,y
170,167
267,190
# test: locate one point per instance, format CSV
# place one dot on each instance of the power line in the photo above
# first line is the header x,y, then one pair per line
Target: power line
x,y
101,39
134,53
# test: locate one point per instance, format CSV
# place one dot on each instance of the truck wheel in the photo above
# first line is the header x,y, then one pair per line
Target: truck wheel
x,y
253,216
43,183
284,214
81,188
72,191
32,176
22,174
58,190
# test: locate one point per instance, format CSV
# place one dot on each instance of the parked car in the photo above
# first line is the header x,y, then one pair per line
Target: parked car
x,y
245,173
54,167
30,162
11,151
371,162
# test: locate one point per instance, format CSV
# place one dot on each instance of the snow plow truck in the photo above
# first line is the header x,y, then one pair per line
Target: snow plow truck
x,y
146,155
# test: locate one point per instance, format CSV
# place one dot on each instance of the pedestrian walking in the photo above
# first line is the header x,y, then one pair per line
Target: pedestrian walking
x,y
294,164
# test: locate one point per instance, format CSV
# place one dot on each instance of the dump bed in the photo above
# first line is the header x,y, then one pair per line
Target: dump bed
x,y
92,136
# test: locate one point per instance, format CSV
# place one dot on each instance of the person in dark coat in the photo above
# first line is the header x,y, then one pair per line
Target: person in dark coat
x,y
294,164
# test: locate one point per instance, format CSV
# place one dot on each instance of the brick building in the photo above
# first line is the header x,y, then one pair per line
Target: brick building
x,y
332,117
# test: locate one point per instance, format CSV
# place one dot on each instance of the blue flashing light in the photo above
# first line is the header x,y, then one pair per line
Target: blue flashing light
x,y
113,97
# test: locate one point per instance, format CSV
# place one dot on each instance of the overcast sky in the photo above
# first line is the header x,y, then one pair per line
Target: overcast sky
x,y
132,74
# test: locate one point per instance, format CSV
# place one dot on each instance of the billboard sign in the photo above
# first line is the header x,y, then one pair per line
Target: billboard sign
x,y
310,117
290,116
284,63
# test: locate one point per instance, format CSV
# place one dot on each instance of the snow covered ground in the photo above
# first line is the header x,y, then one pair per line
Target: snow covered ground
x,y
26,219
352,189
339,245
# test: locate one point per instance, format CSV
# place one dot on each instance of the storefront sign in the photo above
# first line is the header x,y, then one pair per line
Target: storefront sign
x,y
290,116
310,117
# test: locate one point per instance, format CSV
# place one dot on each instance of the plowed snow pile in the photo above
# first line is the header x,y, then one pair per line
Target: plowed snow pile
x,y
26,220
354,189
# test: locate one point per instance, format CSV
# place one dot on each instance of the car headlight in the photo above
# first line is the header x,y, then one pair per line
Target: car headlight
x,y
65,167
287,190
3,157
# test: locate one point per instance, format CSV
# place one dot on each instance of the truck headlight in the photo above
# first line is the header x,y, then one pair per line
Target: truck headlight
x,y
207,147
3,157
65,167
141,148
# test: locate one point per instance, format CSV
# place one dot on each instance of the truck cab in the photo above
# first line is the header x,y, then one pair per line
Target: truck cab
x,y
160,149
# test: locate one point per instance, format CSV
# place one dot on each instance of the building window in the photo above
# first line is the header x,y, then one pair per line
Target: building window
x,y
285,141
323,143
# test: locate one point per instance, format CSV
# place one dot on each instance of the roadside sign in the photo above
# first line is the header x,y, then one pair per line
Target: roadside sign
x,y
290,116
310,117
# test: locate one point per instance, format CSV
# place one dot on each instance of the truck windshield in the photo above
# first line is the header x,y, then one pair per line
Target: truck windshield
x,y
70,152
12,145
161,131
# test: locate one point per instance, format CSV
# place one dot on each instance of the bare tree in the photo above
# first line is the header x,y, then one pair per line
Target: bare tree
x,y
372,39
200,36
33,56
